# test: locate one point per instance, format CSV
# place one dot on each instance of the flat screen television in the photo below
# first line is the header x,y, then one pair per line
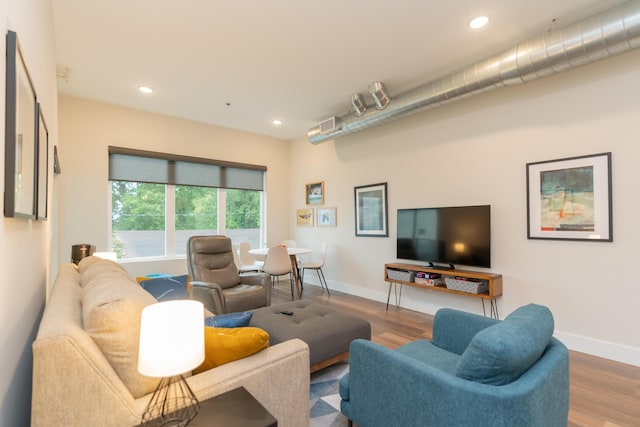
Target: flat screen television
x,y
449,235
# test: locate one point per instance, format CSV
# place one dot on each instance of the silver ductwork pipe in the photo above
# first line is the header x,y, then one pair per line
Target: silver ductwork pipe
x,y
600,36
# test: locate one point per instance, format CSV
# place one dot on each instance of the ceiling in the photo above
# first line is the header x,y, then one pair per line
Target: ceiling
x,y
242,63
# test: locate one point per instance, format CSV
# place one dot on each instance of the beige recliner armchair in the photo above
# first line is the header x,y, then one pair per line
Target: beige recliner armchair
x,y
216,281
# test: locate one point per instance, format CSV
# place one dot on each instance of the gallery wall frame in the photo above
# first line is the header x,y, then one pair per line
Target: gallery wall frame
x,y
570,199
326,217
314,193
371,212
304,217
21,118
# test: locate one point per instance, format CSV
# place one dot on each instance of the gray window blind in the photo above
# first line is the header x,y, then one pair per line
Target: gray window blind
x,y
126,164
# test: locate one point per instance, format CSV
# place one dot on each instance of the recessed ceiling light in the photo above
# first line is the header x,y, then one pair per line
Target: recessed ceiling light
x,y
478,22
145,89
276,122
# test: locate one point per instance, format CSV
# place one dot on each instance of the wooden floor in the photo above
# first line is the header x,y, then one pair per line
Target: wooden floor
x,y
603,393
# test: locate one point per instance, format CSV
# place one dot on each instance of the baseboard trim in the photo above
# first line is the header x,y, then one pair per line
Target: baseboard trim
x,y
592,346
605,349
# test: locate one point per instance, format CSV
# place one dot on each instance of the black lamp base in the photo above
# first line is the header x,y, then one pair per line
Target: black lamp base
x,y
173,404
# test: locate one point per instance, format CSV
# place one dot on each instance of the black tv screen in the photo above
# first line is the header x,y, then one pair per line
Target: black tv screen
x,y
450,235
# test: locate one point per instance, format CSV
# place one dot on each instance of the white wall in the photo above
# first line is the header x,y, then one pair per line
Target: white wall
x,y
87,129
25,246
474,152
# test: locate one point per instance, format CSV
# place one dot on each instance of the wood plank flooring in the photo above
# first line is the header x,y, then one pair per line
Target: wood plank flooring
x,y
603,393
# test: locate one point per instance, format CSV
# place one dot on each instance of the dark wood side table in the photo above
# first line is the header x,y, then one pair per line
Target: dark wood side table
x,y
235,408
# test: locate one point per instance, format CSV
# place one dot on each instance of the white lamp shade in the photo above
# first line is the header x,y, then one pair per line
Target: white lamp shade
x,y
171,338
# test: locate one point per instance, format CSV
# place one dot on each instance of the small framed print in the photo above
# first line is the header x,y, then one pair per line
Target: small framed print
x,y
304,217
570,199
314,193
326,217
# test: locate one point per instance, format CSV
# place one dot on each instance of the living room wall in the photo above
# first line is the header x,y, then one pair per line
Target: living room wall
x,y
87,128
475,151
25,245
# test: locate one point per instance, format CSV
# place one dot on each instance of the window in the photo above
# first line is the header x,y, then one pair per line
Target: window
x,y
158,201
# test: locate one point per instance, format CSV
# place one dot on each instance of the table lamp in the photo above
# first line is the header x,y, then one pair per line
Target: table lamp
x,y
171,344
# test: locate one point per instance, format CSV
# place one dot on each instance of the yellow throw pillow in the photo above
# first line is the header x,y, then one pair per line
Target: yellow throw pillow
x,y
224,345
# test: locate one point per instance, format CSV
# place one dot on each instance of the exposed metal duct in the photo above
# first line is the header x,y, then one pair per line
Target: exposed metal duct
x,y
605,34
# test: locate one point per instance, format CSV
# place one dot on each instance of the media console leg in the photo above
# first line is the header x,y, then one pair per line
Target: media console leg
x,y
395,294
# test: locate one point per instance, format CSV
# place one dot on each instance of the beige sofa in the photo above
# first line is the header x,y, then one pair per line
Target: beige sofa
x,y
84,375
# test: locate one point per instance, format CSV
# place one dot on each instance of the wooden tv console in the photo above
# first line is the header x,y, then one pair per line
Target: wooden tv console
x,y
494,283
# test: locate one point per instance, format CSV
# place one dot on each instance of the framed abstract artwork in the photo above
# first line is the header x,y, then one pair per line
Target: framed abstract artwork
x,y
371,210
570,199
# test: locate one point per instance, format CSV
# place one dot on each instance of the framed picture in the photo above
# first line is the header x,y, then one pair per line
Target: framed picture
x,y
326,217
43,166
20,135
314,193
304,217
570,199
371,210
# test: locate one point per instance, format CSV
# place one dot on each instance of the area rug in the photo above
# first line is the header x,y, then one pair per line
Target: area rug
x,y
324,397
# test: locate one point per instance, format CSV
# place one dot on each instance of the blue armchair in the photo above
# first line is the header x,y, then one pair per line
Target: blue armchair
x,y
475,372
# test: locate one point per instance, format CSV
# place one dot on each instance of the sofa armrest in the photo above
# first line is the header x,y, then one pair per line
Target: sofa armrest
x,y
278,377
454,329
210,295
260,279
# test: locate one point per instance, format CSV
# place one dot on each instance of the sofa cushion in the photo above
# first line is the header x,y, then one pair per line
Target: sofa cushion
x,y
229,320
91,267
112,304
501,353
166,288
224,345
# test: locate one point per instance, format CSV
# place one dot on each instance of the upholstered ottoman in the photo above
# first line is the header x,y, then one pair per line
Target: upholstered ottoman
x,y
327,332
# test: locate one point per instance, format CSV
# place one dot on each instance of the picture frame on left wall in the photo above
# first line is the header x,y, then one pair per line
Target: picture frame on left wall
x,y
42,153
20,135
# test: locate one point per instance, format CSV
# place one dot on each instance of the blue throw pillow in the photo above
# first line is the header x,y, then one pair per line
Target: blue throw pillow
x,y
501,353
166,288
229,320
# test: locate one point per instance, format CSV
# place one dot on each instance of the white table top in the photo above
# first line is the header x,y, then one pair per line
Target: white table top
x,y
290,251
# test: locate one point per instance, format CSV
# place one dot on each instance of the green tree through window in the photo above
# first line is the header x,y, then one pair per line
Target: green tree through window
x,y
155,220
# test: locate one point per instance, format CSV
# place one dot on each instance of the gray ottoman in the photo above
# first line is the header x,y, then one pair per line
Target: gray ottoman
x,y
327,332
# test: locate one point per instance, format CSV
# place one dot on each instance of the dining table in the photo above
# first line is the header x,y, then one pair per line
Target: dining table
x,y
293,256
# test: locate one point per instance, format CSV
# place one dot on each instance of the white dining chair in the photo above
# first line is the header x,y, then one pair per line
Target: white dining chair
x,y
289,243
277,263
242,267
247,259
317,265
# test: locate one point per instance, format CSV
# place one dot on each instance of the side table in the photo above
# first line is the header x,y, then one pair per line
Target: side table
x,y
235,408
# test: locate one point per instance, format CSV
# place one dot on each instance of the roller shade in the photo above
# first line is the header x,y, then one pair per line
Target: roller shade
x,y
126,164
